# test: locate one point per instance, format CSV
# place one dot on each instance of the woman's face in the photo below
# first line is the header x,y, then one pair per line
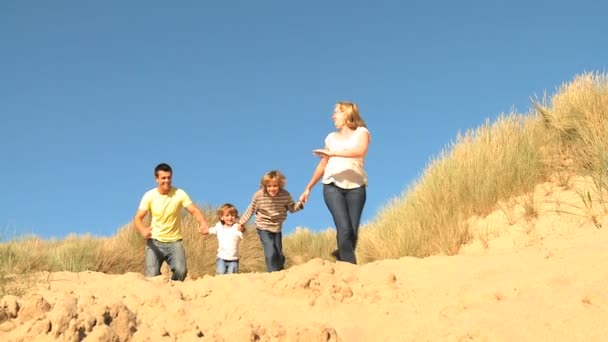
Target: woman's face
x,y
339,117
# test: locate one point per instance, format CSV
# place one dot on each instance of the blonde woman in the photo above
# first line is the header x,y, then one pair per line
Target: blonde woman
x,y
341,171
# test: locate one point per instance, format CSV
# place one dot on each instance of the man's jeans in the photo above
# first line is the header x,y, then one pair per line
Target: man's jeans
x,y
171,252
273,250
227,266
346,207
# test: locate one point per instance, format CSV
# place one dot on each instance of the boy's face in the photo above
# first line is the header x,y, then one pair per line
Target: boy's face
x,y
228,218
272,187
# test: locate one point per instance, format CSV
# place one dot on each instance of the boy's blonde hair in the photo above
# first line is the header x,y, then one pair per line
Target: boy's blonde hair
x,y
226,209
353,118
272,175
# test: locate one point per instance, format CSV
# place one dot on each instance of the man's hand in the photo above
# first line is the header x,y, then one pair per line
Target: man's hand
x,y
242,228
146,233
203,228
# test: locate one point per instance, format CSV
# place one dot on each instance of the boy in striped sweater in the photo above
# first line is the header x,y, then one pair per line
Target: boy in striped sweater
x,y
270,205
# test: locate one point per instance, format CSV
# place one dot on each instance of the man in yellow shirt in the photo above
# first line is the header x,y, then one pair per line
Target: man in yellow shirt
x,y
164,238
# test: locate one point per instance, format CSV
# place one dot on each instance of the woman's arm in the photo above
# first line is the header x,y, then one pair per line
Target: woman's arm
x,y
316,175
358,151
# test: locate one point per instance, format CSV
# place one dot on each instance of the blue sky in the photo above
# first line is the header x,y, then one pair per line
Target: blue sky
x,y
94,94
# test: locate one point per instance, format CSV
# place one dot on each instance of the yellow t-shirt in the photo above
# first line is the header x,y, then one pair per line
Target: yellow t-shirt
x,y
165,211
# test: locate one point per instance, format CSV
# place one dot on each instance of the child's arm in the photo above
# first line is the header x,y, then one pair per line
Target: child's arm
x,y
249,211
292,206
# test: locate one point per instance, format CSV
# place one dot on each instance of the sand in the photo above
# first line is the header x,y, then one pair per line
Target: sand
x,y
539,278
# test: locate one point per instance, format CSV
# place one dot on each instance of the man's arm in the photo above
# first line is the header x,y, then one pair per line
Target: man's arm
x,y
138,221
203,227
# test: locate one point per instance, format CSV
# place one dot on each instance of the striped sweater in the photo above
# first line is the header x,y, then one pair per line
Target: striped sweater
x,y
270,212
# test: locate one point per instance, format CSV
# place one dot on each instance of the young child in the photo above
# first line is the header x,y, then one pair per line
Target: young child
x,y
229,236
270,205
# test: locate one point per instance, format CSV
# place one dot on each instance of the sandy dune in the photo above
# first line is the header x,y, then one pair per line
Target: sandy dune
x,y
538,280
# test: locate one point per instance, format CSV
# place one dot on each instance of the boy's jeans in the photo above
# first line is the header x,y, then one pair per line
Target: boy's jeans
x,y
346,206
171,252
273,250
227,266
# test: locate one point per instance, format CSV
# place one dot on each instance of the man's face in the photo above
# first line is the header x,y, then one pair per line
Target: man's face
x,y
163,179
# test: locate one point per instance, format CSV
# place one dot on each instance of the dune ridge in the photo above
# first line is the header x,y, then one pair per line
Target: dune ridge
x,y
525,279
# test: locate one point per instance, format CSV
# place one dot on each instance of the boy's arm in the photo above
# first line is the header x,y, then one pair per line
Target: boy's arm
x,y
249,211
293,206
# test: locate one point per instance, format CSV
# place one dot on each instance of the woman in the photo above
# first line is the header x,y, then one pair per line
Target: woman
x,y
343,177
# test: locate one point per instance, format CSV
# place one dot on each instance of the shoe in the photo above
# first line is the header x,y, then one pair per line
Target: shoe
x,y
336,254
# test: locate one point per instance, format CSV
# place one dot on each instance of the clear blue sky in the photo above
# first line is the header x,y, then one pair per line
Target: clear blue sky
x,y
94,94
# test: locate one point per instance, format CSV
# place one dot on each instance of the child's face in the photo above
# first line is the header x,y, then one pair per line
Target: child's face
x,y
228,218
272,187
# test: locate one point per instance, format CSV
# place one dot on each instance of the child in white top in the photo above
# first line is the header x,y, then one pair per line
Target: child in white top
x,y
229,236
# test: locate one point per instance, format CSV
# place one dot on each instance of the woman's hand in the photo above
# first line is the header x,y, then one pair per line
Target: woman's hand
x,y
304,196
322,152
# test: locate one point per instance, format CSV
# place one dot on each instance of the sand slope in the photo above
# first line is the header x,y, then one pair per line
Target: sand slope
x,y
546,283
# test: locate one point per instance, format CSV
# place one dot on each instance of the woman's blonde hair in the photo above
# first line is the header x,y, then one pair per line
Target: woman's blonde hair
x,y
272,175
353,118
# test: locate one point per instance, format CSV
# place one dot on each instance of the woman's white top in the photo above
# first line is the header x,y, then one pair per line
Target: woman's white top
x,y
346,173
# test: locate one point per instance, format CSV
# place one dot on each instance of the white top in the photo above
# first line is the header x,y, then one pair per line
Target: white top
x,y
228,239
346,173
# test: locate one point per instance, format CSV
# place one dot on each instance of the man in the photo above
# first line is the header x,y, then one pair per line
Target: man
x,y
164,238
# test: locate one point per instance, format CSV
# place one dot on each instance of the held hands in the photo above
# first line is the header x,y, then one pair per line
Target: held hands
x,y
299,205
203,229
242,228
146,233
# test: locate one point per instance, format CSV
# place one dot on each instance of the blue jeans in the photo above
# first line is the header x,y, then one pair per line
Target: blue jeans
x,y
171,252
273,250
227,266
346,207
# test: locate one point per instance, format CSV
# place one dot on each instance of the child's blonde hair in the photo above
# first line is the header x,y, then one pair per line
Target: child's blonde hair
x,y
226,209
272,175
